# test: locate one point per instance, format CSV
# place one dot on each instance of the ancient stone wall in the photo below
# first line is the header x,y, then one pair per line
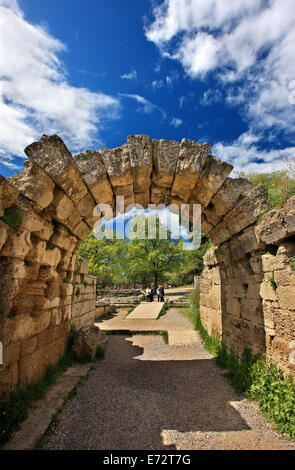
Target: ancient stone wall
x,y
248,288
49,208
43,289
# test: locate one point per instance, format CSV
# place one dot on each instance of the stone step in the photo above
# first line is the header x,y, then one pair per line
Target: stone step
x,y
146,310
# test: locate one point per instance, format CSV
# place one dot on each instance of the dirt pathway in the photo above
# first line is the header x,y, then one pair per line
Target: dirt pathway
x,y
146,394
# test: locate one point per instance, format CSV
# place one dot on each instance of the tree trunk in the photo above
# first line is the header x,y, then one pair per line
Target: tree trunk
x,y
156,279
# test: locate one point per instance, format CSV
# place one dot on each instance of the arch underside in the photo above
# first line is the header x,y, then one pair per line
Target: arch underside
x,y
56,193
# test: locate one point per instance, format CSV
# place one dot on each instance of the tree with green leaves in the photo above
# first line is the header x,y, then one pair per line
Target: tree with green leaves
x,y
105,259
280,185
148,259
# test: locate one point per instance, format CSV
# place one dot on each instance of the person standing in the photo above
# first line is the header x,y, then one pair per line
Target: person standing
x,y
148,294
159,293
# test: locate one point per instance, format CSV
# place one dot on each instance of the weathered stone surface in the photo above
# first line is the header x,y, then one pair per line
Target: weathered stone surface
x,y
212,176
8,194
191,160
3,233
35,184
245,242
51,154
86,341
40,226
63,239
241,216
165,158
82,230
141,160
94,173
63,210
17,244
278,223
229,194
117,163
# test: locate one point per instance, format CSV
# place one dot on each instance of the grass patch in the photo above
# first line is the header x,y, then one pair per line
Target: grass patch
x,y
12,216
163,310
131,310
50,245
164,335
273,282
257,379
15,406
275,394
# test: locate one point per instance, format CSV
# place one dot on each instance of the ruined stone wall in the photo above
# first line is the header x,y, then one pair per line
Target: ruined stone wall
x,y
43,290
84,296
248,288
49,208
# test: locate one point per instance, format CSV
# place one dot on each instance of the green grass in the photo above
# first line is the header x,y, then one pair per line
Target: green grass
x,y
257,379
163,310
273,282
12,216
50,245
131,310
15,406
164,335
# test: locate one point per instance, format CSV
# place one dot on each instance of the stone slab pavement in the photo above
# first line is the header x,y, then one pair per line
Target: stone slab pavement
x,y
135,400
39,417
146,310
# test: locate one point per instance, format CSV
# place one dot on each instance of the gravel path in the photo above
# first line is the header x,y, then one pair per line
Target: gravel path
x,y
133,400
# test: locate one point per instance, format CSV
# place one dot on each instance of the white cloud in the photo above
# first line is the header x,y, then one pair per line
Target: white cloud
x,y
132,75
245,154
35,97
176,122
210,97
157,84
248,45
169,81
146,106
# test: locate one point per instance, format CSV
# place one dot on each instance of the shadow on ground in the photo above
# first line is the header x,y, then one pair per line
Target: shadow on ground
x,y
127,403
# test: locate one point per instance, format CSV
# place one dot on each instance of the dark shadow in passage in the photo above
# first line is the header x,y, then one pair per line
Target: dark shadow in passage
x,y
127,403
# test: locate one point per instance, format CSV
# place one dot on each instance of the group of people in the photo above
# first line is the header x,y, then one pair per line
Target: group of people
x,y
151,291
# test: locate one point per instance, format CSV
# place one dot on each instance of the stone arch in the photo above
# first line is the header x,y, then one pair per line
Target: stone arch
x,y
47,211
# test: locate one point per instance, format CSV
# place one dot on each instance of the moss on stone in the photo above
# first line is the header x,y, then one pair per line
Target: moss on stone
x,y
13,217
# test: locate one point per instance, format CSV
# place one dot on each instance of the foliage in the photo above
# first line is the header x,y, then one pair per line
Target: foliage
x,y
163,310
258,379
50,245
13,217
192,265
148,260
280,185
164,335
275,395
105,259
145,261
292,263
273,282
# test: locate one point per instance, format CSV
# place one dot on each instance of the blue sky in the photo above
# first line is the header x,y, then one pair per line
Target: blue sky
x,y
218,71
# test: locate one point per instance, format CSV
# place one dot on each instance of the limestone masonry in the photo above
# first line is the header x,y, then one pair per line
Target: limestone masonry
x,y
248,285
